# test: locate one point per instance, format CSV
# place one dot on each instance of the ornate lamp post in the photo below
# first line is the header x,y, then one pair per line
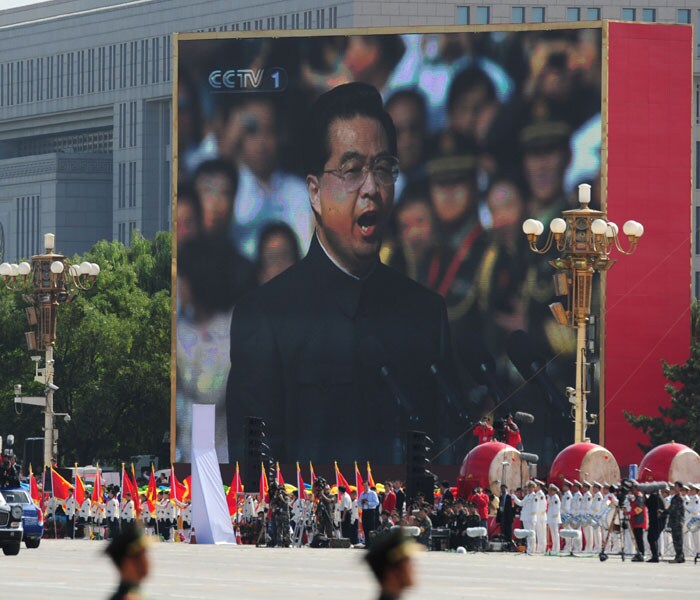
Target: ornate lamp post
x,y
52,280
584,239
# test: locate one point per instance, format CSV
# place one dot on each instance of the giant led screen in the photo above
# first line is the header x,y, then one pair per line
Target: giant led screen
x,y
350,259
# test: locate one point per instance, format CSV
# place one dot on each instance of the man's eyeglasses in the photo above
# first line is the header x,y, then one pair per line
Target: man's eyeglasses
x,y
353,173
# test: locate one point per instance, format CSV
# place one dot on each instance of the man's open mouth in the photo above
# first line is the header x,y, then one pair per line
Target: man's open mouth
x,y
368,222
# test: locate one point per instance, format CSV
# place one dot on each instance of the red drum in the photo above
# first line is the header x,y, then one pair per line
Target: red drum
x,y
670,462
584,461
490,464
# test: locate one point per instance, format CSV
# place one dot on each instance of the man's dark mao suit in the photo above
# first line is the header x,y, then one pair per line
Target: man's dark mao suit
x,y
301,360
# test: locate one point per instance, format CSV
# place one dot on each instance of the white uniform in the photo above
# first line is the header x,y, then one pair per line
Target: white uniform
x,y
576,513
528,516
126,510
566,498
694,512
554,506
541,521
587,511
598,510
112,509
70,506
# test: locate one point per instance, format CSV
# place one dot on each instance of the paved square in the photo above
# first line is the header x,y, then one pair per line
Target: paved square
x,y
77,569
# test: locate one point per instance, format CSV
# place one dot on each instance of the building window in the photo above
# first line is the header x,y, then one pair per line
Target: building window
x,y
270,22
573,14
593,14
166,54
697,233
683,16
121,235
483,15
321,18
697,165
30,80
333,17
49,79
132,124
132,228
132,184
649,15
133,55
517,14
307,19
462,16
40,79
538,14
629,14
121,186
69,74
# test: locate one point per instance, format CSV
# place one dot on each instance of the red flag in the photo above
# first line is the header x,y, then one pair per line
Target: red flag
x,y
263,488
187,495
339,479
177,489
97,488
59,486
152,493
358,480
235,489
370,479
313,475
79,488
135,492
34,492
278,477
300,484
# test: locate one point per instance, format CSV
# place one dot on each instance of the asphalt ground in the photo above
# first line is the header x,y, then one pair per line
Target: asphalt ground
x,y
75,569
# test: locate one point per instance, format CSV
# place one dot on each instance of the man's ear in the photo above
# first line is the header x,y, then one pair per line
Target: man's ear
x,y
314,188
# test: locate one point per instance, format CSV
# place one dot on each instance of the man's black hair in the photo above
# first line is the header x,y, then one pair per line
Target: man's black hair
x,y
218,167
409,95
467,80
343,102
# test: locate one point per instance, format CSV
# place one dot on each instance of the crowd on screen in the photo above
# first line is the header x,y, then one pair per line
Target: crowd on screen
x,y
492,128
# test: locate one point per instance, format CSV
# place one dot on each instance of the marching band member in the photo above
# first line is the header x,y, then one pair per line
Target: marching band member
x,y
577,513
598,511
528,513
694,516
541,521
112,514
147,516
70,506
554,517
587,515
566,500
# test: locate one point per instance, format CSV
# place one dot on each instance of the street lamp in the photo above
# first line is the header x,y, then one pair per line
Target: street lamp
x,y
52,280
584,239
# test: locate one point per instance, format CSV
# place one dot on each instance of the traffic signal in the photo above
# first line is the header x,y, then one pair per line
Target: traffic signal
x,y
256,451
418,475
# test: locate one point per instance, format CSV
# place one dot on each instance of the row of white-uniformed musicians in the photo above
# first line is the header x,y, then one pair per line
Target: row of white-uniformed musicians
x,y
591,508
103,520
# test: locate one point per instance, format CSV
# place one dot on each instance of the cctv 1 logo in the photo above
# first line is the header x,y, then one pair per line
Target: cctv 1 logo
x,y
269,79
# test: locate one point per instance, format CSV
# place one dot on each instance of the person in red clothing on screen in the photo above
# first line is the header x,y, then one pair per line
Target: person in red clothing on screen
x,y
513,437
484,430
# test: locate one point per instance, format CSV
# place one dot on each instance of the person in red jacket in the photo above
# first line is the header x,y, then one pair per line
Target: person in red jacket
x,y
513,437
481,501
389,498
639,520
484,430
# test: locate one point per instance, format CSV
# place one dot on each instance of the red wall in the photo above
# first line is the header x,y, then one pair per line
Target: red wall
x,y
649,180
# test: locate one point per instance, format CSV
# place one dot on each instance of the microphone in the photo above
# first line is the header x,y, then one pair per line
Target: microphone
x,y
523,417
531,366
452,399
481,365
372,354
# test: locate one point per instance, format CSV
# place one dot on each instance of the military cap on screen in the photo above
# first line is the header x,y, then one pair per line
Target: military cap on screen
x,y
552,486
544,135
538,481
597,484
130,542
452,157
568,482
389,550
586,483
577,482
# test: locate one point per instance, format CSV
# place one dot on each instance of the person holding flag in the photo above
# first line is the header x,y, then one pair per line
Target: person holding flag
x,y
112,513
232,497
127,511
70,506
34,492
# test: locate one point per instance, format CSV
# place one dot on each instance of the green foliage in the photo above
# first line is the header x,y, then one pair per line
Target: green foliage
x,y
680,421
112,358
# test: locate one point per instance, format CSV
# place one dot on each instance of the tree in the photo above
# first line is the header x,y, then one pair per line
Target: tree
x,y
112,357
680,421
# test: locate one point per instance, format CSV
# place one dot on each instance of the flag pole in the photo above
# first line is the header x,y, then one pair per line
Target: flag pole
x,y
53,495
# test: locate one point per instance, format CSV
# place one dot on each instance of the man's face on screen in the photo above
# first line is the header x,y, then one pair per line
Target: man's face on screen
x,y
351,222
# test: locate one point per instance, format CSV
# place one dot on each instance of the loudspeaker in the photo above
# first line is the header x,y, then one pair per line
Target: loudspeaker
x,y
34,455
339,543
